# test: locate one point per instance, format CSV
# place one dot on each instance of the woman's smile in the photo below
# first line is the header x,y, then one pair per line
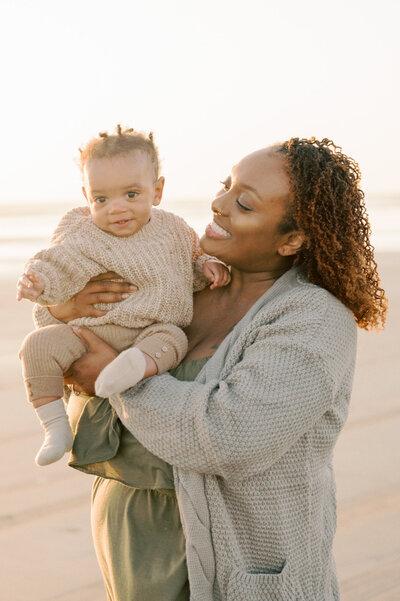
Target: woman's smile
x,y
213,230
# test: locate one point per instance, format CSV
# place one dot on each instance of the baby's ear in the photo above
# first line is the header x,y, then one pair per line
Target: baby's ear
x,y
158,190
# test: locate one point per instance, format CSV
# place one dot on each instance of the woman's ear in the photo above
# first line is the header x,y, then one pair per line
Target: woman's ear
x,y
292,243
158,190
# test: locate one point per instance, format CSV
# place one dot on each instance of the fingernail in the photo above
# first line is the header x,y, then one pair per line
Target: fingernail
x,y
133,288
125,295
76,328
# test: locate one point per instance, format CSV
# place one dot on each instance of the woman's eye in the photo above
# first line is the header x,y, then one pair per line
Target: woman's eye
x,y
132,194
242,206
100,200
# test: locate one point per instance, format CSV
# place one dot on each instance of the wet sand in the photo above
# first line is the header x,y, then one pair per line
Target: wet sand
x,y
45,541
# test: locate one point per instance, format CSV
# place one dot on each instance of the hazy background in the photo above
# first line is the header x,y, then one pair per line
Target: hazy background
x,y
213,79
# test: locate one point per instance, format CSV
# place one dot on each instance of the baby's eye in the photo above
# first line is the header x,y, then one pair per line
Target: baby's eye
x,y
132,194
242,206
100,200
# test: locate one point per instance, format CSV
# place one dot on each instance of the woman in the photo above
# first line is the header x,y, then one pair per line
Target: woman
x,y
251,439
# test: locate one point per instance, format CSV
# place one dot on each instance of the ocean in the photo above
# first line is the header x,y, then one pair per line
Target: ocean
x,y
26,228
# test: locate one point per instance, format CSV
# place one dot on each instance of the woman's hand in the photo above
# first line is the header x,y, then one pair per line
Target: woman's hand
x,y
83,373
99,289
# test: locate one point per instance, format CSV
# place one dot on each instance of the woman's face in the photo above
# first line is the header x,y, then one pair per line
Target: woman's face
x,y
247,211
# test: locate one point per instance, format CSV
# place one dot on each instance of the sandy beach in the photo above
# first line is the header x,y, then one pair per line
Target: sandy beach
x,y
45,539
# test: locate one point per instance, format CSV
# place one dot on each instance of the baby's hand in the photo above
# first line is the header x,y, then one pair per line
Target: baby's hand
x,y
30,285
218,274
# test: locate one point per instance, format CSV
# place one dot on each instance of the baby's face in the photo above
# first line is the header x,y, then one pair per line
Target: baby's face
x,y
121,191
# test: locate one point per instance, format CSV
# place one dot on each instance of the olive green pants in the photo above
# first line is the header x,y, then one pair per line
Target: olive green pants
x,y
139,542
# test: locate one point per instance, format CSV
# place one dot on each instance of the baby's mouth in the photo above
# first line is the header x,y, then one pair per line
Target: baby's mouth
x,y
121,221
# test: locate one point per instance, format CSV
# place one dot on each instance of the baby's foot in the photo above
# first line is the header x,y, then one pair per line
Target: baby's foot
x,y
58,434
125,371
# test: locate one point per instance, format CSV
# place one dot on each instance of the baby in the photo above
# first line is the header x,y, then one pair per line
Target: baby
x,y
118,231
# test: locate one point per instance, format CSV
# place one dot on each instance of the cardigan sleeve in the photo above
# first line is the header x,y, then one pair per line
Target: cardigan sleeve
x,y
243,423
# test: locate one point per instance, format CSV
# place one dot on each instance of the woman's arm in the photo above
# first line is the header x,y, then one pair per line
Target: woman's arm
x,y
244,423
100,289
83,373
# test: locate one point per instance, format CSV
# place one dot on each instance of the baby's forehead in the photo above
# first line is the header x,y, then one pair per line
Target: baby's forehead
x,y
136,156
119,168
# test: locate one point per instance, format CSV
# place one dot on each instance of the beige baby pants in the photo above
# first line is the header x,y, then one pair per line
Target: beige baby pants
x,y
47,353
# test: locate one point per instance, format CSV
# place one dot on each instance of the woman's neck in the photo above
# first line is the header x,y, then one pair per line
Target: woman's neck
x,y
229,304
253,284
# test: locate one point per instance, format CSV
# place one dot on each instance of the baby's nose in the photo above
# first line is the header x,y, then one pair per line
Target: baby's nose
x,y
117,206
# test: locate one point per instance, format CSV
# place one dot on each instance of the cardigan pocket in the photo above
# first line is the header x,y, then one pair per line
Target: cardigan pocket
x,y
260,586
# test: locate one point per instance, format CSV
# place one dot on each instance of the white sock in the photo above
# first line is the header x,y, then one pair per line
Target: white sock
x,y
58,437
125,371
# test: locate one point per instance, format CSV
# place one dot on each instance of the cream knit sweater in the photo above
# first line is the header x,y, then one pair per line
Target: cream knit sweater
x,y
163,259
251,442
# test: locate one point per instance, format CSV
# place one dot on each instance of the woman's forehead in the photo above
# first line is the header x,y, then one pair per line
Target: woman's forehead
x,y
263,170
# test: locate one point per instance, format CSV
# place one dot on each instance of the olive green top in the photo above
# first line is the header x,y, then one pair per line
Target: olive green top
x,y
104,447
137,532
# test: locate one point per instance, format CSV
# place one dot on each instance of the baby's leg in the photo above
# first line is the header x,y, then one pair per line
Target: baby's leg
x,y
46,354
166,344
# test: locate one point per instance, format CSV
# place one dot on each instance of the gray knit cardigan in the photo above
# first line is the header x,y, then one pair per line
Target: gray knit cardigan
x,y
251,443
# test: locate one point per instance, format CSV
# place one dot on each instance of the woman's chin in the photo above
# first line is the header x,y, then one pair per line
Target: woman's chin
x,y
211,246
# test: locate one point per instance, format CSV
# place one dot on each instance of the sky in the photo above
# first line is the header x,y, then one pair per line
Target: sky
x,y
214,80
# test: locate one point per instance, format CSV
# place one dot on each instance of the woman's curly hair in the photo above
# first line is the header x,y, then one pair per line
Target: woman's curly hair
x,y
328,206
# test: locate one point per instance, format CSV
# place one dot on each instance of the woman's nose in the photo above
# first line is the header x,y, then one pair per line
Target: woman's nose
x,y
217,207
220,204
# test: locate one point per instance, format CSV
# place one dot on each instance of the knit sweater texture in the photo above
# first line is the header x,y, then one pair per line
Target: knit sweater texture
x,y
163,259
251,442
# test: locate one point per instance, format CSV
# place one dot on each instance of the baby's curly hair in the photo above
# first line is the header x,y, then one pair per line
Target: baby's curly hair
x,y
122,142
328,206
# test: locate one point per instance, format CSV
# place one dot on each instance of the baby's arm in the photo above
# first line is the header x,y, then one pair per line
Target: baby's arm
x,y
30,286
205,267
56,273
217,272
